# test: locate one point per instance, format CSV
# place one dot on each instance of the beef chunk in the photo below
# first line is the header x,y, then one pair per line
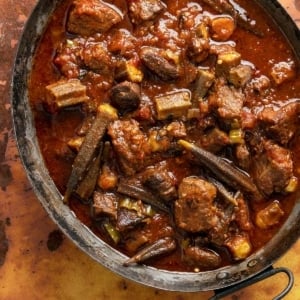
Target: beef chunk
x,y
243,156
105,204
128,219
201,257
273,168
144,10
161,181
88,17
242,215
280,124
97,58
214,140
240,75
67,58
198,49
228,101
165,139
283,71
259,85
130,144
194,210
126,96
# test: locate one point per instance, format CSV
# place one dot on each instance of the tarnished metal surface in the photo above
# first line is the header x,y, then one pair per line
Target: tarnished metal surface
x,y
36,261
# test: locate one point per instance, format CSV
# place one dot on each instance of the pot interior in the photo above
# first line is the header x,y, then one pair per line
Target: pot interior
x,y
82,236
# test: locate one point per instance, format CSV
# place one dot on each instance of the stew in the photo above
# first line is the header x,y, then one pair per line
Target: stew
x,y
170,127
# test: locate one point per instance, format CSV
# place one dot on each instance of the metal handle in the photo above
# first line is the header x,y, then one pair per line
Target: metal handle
x,y
221,293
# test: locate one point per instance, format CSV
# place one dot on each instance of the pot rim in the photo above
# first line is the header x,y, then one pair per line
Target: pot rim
x,y
81,235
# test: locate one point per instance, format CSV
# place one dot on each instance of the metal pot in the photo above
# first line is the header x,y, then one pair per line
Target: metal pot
x,y
232,277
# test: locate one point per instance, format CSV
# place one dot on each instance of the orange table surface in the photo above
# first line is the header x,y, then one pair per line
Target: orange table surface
x,y
34,267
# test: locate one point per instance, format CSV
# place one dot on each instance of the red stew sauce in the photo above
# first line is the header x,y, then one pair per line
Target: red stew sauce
x,y
170,127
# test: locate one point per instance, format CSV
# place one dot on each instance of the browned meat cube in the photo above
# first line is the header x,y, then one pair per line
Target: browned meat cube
x,y
269,216
243,156
194,210
242,214
105,204
88,17
240,75
260,85
97,58
272,169
130,145
144,10
198,49
65,93
280,124
174,104
283,71
128,219
201,257
228,101
214,140
161,181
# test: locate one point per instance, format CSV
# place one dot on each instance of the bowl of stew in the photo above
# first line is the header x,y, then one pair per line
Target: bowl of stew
x,y
162,136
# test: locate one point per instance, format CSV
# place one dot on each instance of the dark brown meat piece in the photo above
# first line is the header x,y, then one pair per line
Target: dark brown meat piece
x,y
242,214
104,204
144,10
153,59
227,101
280,124
97,58
214,140
194,210
126,96
243,156
160,181
128,219
198,49
130,145
273,168
88,17
201,257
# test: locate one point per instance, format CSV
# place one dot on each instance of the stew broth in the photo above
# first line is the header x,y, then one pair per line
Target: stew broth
x,y
171,34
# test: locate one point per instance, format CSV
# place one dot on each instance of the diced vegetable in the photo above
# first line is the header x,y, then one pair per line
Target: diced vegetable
x,y
75,143
222,28
236,136
240,75
204,80
113,232
174,105
65,93
283,71
269,216
86,187
292,185
127,70
239,246
226,61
